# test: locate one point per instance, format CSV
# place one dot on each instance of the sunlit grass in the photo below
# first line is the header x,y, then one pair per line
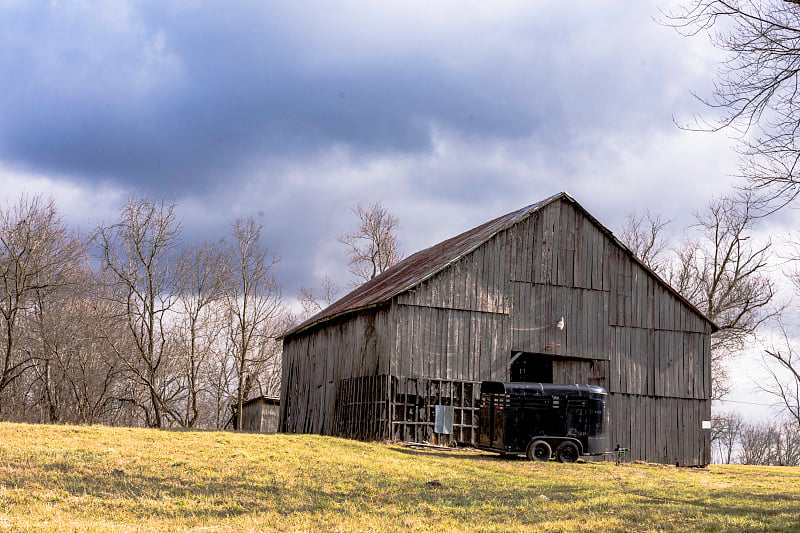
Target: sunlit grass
x,y
57,478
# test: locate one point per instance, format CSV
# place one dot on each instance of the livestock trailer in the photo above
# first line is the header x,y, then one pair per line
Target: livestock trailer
x,y
542,420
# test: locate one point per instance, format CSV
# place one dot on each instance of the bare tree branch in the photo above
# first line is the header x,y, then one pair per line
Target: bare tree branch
x,y
313,302
783,365
373,247
200,285
756,89
643,235
137,254
37,257
725,273
254,306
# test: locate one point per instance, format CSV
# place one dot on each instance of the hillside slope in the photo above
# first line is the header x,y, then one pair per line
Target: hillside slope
x,y
102,479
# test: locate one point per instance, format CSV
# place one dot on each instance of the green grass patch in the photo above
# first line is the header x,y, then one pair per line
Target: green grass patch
x,y
57,478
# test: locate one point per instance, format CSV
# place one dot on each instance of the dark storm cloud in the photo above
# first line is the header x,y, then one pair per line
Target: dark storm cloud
x,y
163,95
451,113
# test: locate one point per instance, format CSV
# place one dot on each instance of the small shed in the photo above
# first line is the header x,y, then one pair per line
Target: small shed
x,y
261,415
543,294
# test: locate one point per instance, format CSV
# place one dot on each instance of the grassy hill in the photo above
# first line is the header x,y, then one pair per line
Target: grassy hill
x,y
116,479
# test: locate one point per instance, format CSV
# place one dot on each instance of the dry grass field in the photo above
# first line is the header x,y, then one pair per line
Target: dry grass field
x,y
66,478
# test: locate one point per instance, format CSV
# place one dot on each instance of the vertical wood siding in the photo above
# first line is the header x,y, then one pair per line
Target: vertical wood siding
x,y
538,307
315,363
661,429
451,344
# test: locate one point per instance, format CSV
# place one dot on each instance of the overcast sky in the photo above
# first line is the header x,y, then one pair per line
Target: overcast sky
x,y
449,113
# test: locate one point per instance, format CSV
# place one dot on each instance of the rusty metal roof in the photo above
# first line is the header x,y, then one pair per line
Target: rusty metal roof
x,y
424,264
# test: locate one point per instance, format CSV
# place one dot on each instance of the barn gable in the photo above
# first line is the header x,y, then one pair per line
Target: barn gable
x,y
556,250
485,306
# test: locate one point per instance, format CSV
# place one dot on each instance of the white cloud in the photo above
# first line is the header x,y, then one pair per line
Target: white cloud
x,y
81,206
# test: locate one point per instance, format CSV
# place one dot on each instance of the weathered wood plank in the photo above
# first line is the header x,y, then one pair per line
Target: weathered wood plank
x,y
527,246
613,373
545,250
536,228
512,254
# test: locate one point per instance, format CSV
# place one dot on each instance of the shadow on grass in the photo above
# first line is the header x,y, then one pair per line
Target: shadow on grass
x,y
456,454
170,496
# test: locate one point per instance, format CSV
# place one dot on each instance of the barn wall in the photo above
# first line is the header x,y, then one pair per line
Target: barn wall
x,y
537,308
440,343
646,346
316,364
661,430
674,364
476,282
558,245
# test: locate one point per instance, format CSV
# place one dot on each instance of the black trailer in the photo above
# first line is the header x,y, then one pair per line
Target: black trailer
x,y
542,419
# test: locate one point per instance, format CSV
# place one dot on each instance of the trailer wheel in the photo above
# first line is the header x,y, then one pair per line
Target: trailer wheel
x,y
539,450
567,452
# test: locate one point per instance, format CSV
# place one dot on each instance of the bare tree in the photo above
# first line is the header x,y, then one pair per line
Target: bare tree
x,y
54,330
137,256
222,378
200,284
313,302
726,430
37,256
254,305
787,445
755,93
775,444
756,442
724,273
783,365
77,376
373,247
644,236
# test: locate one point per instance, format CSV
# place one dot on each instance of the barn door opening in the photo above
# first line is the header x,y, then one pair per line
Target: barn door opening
x,y
546,368
531,367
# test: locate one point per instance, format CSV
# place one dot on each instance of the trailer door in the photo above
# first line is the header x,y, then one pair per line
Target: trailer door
x,y
491,421
576,417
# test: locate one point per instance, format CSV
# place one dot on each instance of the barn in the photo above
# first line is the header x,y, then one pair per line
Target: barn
x,y
544,294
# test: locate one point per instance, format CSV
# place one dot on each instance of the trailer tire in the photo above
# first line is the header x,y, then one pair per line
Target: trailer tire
x,y
540,450
567,452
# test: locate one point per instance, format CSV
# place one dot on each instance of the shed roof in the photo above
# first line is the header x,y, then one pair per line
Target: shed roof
x,y
426,263
271,400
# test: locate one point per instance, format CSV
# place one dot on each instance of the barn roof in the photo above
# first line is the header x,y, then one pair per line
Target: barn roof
x,y
424,264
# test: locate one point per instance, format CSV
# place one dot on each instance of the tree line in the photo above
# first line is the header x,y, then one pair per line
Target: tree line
x,y
131,326
737,441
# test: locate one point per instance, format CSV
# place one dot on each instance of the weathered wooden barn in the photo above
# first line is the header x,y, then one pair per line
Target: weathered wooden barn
x,y
544,294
